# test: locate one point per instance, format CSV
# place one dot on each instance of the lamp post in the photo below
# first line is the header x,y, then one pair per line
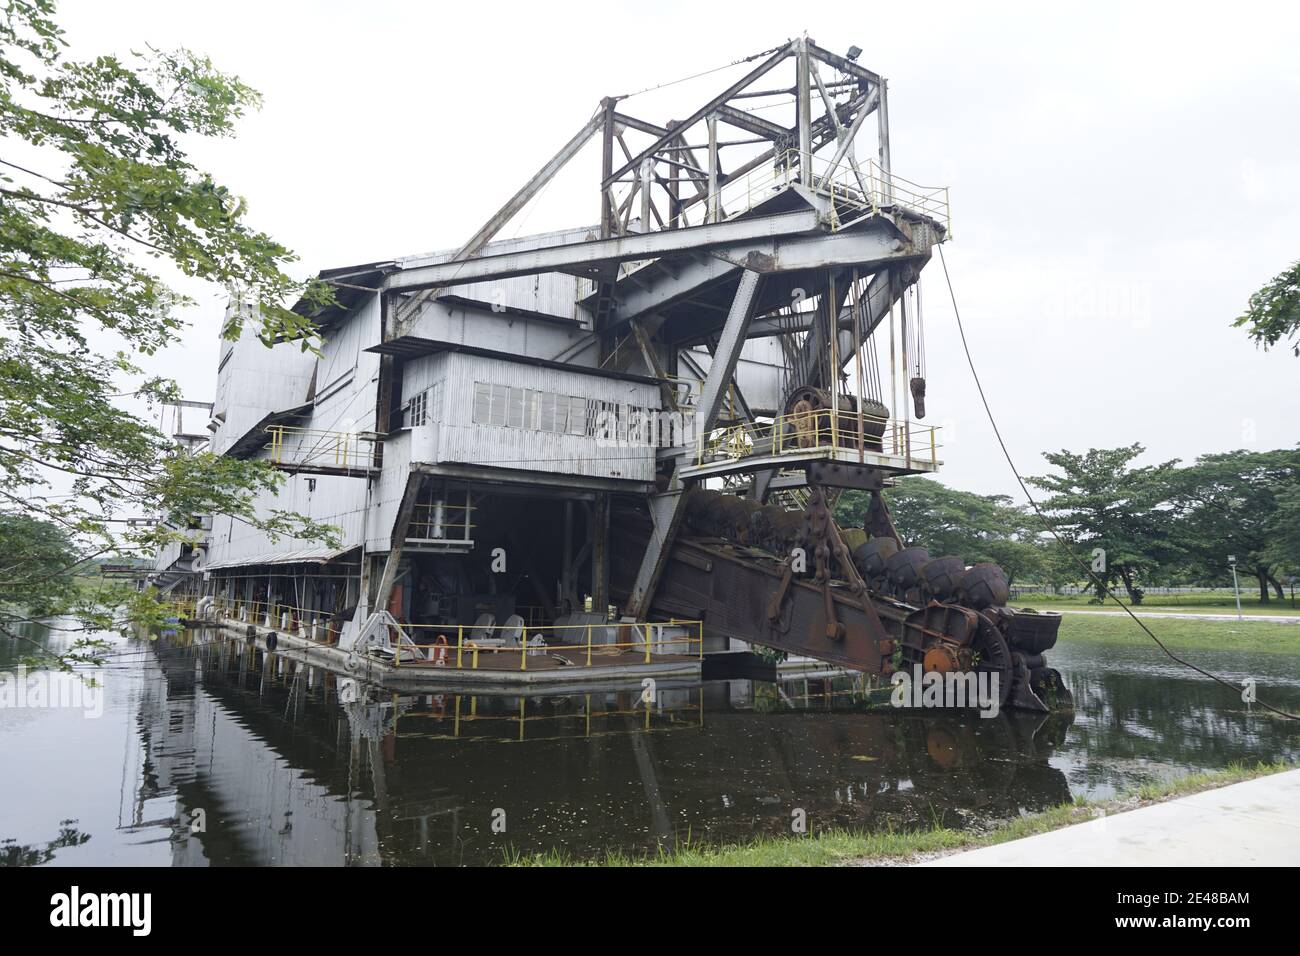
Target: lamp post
x,y
1232,562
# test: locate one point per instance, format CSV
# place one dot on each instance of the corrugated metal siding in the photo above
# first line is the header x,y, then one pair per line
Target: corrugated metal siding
x,y
552,293
461,440
335,500
256,381
493,330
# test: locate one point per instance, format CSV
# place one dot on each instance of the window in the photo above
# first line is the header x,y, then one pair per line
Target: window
x,y
418,413
482,403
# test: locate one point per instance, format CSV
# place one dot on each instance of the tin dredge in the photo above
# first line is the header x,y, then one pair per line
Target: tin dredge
x,y
653,415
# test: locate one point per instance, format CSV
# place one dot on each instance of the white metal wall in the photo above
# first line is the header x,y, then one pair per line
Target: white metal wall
x,y
253,380
451,435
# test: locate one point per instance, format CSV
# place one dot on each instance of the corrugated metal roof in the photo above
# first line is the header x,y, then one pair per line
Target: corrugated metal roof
x,y
255,438
414,346
316,555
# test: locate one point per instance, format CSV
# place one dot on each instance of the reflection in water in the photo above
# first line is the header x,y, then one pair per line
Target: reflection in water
x,y
238,757
13,853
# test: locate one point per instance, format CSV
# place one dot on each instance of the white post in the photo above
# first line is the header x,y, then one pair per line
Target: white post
x,y
1236,590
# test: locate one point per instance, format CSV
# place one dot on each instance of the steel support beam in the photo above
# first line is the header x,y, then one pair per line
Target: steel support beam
x,y
699,114
401,524
803,105
590,255
666,509
727,354
507,212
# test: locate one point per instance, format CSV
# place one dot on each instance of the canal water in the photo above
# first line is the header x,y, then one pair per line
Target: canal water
x,y
199,750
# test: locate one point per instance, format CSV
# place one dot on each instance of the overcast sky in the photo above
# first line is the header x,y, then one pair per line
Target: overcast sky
x,y
1123,176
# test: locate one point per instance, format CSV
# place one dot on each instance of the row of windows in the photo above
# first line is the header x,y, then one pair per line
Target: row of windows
x,y
529,408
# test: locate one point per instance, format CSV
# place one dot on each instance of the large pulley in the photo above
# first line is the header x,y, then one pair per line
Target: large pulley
x,y
810,412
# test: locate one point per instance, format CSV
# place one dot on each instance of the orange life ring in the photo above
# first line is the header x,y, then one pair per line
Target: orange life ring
x,y
440,651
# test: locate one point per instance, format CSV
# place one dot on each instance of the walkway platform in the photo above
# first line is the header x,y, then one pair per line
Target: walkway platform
x,y
496,671
1255,823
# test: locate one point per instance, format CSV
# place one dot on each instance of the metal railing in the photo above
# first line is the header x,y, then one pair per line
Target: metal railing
x,y
456,646
856,191
467,646
442,521
314,448
824,430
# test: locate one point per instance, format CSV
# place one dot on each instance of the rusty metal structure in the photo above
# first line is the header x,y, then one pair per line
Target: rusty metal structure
x,y
752,280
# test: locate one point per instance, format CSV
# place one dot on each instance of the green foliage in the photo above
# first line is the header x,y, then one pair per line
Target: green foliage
x,y
1155,524
96,192
1273,312
1104,504
1282,547
36,564
1229,504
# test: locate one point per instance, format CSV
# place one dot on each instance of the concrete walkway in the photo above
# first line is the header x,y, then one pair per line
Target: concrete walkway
x,y
1256,823
1194,616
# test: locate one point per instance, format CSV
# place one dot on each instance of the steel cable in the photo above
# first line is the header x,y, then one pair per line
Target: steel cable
x,y
1065,545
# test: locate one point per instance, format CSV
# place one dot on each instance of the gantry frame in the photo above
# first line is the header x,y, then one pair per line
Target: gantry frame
x,y
688,271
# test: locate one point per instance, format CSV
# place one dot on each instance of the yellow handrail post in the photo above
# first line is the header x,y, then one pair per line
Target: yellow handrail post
x,y
460,643
647,642
523,649
588,645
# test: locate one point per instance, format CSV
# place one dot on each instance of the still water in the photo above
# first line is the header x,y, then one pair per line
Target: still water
x,y
209,752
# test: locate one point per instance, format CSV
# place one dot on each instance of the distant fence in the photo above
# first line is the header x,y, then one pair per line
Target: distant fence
x,y
1071,590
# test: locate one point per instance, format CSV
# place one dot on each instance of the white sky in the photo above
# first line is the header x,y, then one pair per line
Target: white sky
x,y
1123,176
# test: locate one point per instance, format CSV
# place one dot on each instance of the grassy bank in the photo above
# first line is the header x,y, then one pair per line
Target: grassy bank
x,y
1216,603
1181,634
848,848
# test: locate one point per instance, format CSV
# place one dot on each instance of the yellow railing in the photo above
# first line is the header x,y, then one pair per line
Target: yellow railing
x,y
444,645
450,521
821,429
441,645
291,446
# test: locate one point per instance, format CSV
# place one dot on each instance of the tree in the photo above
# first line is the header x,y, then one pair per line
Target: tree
x,y
35,561
1229,505
96,194
1273,313
1118,515
1283,548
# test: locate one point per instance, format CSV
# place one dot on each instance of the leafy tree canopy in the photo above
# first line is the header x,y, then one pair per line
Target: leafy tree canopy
x,y
1116,513
97,194
1229,505
1273,312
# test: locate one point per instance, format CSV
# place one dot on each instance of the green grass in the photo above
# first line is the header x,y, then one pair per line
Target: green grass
x,y
1180,634
834,848
1219,602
